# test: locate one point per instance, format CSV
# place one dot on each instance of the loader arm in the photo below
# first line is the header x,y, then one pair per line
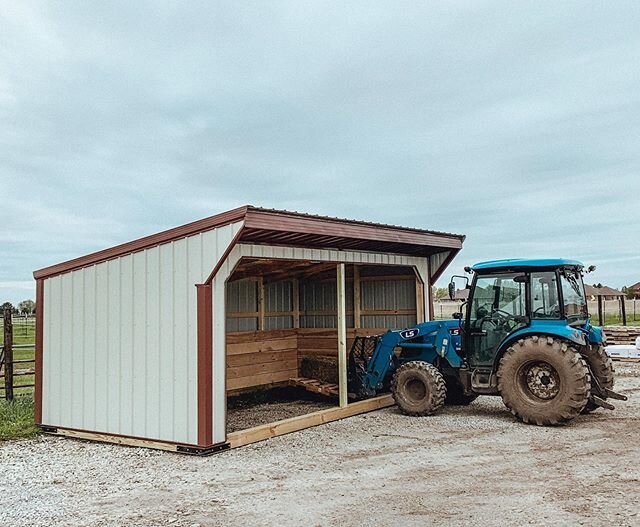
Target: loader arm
x,y
428,340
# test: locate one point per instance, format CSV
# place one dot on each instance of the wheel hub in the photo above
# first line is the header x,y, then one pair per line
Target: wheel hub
x,y
416,390
542,380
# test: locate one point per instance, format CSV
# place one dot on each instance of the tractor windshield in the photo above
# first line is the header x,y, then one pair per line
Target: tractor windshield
x,y
575,304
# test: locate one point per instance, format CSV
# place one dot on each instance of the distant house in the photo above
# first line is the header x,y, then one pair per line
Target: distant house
x,y
462,295
635,289
606,292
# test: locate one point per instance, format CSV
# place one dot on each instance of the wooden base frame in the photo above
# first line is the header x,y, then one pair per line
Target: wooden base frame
x,y
235,439
294,424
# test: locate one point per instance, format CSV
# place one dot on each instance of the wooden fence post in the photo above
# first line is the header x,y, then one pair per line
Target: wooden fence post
x,y
8,355
624,311
599,310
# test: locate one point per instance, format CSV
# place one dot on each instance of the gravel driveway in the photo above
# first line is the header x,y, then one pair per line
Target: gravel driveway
x,y
465,466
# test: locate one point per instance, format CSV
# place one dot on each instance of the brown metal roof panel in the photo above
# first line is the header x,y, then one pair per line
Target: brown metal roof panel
x,y
329,227
352,221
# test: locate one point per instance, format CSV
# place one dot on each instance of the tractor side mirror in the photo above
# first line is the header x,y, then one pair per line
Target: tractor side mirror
x,y
453,287
452,290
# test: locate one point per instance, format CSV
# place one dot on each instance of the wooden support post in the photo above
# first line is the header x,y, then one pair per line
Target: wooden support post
x,y
356,297
420,314
342,335
296,303
8,355
600,310
624,311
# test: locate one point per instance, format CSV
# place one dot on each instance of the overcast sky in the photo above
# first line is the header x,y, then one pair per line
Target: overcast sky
x,y
517,124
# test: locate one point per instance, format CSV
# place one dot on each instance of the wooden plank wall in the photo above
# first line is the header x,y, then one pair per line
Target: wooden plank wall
x,y
261,358
258,358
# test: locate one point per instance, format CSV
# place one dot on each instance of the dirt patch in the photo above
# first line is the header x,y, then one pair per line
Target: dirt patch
x,y
465,466
263,407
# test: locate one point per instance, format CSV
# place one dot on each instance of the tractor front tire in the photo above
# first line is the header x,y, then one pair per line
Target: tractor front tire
x,y
544,381
601,367
418,388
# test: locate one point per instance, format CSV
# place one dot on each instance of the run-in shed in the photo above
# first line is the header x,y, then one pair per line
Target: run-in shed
x,y
144,342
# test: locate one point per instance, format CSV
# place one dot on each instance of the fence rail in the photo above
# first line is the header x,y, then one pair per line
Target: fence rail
x,y
612,312
8,373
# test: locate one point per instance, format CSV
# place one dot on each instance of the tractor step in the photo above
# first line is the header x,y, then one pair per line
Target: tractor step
x,y
602,403
614,395
316,386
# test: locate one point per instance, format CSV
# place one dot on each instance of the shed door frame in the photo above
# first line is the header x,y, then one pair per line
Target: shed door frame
x,y
218,299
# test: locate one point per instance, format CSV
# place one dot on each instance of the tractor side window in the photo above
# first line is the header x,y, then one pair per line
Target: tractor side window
x,y
497,297
575,305
544,295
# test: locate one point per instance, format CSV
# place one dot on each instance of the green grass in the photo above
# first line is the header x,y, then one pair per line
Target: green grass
x,y
615,320
22,333
16,418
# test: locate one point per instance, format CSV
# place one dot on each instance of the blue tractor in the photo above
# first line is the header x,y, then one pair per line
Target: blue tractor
x,y
524,334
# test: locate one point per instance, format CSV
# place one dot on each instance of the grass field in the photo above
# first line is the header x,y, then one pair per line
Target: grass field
x,y
16,417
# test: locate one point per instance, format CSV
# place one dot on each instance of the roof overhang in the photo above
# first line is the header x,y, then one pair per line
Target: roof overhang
x,y
277,227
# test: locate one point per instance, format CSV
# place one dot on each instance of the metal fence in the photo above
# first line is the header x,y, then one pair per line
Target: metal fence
x,y
17,355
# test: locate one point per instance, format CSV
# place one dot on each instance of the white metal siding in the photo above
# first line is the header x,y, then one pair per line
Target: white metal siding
x,y
119,341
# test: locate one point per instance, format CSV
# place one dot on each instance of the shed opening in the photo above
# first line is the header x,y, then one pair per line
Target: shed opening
x,y
282,320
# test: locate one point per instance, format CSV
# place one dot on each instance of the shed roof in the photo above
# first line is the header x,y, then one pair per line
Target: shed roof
x,y
282,227
601,291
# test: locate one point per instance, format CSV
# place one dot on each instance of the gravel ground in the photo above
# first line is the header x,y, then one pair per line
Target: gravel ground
x,y
465,466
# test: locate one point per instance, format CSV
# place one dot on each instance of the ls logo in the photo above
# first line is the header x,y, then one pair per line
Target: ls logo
x,y
409,333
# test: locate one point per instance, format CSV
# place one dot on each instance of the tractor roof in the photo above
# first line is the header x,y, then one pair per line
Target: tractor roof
x,y
518,263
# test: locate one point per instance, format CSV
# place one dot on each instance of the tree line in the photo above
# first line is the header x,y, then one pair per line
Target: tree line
x,y
26,307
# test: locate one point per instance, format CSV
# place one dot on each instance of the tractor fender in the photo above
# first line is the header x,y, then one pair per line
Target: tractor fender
x,y
560,332
596,335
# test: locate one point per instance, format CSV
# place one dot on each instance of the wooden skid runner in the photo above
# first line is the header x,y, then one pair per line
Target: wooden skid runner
x,y
293,424
316,386
624,359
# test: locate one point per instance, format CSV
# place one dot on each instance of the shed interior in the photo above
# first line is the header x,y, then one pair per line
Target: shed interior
x,y
282,336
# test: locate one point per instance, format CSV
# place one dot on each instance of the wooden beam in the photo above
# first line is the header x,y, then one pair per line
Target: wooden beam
x,y
420,312
342,334
286,426
356,296
118,440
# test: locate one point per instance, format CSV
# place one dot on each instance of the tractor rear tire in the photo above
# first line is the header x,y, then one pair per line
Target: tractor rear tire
x,y
455,393
544,381
418,388
601,367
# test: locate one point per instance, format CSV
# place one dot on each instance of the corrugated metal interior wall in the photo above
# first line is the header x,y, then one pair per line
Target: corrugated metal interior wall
x,y
318,304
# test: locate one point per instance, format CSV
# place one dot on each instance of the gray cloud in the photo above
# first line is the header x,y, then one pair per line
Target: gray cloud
x,y
516,126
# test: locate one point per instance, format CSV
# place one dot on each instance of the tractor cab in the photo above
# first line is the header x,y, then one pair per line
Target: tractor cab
x,y
512,298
